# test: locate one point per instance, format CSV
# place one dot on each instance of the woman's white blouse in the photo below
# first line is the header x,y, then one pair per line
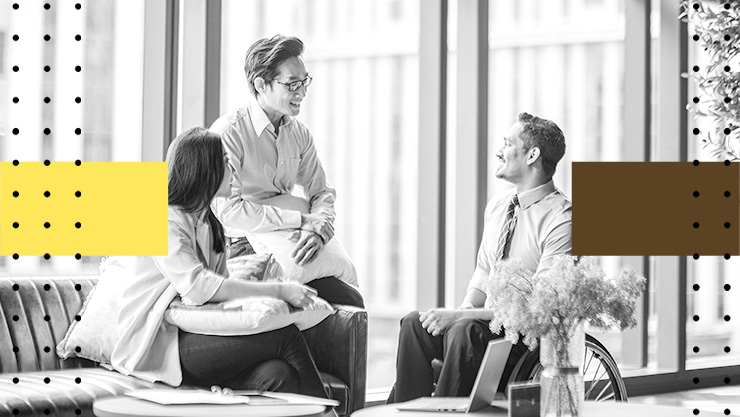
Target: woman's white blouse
x,y
147,345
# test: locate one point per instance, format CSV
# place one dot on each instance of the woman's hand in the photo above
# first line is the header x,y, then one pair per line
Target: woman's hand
x,y
295,294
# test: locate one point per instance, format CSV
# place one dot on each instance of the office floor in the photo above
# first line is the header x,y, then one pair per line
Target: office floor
x,y
716,400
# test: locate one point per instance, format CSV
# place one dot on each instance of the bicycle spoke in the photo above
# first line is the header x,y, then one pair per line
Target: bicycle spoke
x,y
607,386
604,373
593,382
608,397
588,365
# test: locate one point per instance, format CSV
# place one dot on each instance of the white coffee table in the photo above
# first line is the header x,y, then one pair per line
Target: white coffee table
x,y
590,409
134,407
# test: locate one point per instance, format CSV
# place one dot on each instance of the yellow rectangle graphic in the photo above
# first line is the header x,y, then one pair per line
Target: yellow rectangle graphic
x,y
94,209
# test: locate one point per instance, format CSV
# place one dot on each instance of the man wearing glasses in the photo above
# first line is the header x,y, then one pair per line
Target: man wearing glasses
x,y
269,153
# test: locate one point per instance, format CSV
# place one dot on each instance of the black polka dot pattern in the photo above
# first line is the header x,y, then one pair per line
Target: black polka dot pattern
x,y
726,225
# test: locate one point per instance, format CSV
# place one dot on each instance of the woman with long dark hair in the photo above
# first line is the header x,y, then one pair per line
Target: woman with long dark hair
x,y
195,270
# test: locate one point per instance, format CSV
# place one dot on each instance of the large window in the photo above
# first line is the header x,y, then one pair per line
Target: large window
x,y
105,38
560,59
362,109
563,61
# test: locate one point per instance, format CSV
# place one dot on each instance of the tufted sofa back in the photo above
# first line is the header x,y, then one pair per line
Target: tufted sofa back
x,y
35,314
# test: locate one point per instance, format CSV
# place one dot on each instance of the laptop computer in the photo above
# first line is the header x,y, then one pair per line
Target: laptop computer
x,y
484,389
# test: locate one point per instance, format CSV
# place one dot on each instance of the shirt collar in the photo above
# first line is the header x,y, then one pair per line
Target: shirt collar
x,y
534,195
259,118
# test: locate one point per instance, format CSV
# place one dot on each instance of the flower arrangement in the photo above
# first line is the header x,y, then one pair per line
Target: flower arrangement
x,y
557,300
716,26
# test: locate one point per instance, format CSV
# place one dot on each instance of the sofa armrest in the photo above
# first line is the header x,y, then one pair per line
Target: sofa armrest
x,y
339,347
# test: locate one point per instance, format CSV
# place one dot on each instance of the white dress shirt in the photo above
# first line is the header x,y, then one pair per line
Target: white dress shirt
x,y
543,230
265,165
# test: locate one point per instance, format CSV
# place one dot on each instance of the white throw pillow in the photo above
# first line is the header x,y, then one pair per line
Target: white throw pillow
x,y
254,267
95,334
245,316
332,261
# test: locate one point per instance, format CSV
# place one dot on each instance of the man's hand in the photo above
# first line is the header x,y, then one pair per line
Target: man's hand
x,y
438,320
308,247
319,225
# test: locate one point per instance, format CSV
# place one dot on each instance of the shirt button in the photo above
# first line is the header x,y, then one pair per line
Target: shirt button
x,y
281,162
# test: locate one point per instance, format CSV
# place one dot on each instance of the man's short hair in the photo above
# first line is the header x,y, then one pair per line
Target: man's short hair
x,y
545,135
265,56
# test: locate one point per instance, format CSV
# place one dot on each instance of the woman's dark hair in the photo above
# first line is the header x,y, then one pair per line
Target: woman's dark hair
x,y
195,170
265,56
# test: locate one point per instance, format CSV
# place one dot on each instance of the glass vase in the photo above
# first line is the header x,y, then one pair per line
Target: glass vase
x,y
561,355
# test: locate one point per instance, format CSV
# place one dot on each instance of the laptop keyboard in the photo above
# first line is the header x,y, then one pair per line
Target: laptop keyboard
x,y
448,404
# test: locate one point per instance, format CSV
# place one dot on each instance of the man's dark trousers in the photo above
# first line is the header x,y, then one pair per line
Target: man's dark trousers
x,y
461,347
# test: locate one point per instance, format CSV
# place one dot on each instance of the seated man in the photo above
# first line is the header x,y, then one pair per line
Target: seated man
x,y
270,152
531,222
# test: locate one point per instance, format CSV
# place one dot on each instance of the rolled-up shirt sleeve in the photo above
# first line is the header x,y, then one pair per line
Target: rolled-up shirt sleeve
x,y
193,281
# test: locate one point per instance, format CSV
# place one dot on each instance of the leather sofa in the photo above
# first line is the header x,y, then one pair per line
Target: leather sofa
x,y
35,314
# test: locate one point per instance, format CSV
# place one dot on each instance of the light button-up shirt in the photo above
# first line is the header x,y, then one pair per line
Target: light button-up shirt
x,y
265,164
543,230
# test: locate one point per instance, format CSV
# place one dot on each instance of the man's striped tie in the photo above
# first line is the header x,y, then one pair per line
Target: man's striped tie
x,y
503,239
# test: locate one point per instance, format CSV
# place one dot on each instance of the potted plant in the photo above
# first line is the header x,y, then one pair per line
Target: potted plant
x,y
551,307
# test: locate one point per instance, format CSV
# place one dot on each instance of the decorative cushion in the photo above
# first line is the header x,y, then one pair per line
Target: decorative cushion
x,y
95,334
245,316
333,259
254,267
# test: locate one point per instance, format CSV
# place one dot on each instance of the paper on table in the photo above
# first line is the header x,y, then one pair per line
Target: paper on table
x,y
186,396
291,398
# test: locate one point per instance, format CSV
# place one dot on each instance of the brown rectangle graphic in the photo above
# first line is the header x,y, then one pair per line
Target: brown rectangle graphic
x,y
656,208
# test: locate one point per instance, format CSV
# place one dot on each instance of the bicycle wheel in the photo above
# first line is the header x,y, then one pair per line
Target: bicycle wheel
x,y
601,376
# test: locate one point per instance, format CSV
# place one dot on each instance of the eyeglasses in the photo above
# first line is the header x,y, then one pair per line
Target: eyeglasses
x,y
295,85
